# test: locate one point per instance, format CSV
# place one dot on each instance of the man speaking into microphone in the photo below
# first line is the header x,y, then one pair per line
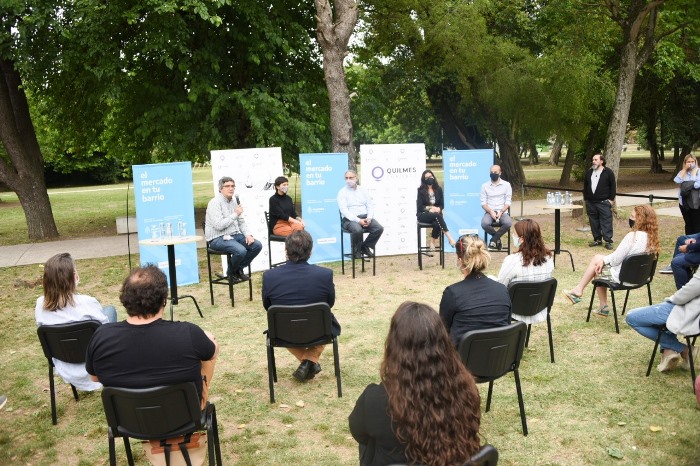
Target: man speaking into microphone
x,y
226,230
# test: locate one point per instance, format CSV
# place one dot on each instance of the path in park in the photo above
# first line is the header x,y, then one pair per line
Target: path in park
x,y
108,246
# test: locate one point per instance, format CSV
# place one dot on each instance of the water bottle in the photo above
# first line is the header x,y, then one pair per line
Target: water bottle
x,y
550,198
183,230
179,228
557,198
161,230
568,198
169,231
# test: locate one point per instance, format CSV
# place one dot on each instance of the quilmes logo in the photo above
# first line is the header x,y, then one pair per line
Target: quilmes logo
x,y
399,172
377,173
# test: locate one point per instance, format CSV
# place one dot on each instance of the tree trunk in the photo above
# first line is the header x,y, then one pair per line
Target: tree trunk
x,y
510,162
653,144
334,28
23,173
565,179
534,155
555,153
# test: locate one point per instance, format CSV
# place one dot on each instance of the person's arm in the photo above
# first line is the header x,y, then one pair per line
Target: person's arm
x,y
484,199
613,187
586,184
509,199
331,292
623,249
212,338
679,177
276,210
420,203
264,292
356,420
688,292
343,206
447,308
369,203
440,199
509,269
217,217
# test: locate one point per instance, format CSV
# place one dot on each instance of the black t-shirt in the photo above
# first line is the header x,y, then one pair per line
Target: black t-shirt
x,y
141,356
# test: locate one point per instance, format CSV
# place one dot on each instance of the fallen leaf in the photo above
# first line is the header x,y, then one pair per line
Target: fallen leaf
x,y
621,423
239,391
655,428
283,406
615,453
241,426
287,425
300,403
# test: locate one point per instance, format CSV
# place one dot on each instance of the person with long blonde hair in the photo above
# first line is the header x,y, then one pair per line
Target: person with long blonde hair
x,y
427,408
644,237
689,172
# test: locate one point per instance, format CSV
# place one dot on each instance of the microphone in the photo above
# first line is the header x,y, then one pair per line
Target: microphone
x,y
238,201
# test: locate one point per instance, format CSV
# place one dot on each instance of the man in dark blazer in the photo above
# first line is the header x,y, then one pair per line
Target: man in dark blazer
x,y
599,194
298,282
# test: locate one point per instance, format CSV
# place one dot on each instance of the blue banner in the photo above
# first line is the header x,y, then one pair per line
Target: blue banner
x,y
321,179
465,171
165,208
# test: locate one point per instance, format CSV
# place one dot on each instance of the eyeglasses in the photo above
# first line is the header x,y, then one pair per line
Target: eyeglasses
x,y
229,186
350,177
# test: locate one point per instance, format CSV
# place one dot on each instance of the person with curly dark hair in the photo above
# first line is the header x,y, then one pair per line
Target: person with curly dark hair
x,y
427,408
429,204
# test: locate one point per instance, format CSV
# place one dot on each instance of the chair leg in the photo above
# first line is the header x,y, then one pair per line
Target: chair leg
x,y
270,371
590,305
627,295
217,444
420,250
653,353
211,285
527,335
342,252
488,397
250,285
442,250
520,401
75,392
336,364
52,392
374,263
127,448
549,332
649,292
112,450
612,298
690,360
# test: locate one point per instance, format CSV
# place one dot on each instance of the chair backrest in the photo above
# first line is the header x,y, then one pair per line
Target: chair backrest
x,y
638,269
299,324
153,413
486,456
492,353
267,222
529,298
67,342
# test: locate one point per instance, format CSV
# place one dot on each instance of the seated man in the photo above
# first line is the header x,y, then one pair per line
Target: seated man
x,y
226,230
496,196
145,350
686,256
298,282
357,210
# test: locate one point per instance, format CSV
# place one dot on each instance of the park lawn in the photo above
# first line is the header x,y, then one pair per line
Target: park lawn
x,y
595,400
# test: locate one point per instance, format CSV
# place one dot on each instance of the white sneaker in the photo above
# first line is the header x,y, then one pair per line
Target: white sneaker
x,y
669,361
666,269
685,363
492,245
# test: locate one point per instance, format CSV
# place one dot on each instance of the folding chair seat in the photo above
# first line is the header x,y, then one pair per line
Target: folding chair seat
x,y
426,250
272,238
486,456
226,281
529,298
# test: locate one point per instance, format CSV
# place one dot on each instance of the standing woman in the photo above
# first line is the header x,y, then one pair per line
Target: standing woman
x,y
61,304
430,203
427,408
283,216
689,172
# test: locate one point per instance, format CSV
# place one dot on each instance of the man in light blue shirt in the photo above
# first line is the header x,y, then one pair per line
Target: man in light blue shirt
x,y
496,196
357,210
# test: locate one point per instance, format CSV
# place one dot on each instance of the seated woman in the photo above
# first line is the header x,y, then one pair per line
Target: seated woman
x,y
532,262
680,314
430,203
427,408
61,305
477,301
644,237
283,216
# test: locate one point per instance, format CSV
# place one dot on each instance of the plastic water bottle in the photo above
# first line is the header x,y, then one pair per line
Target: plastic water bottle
x,y
550,198
567,198
557,198
183,230
169,231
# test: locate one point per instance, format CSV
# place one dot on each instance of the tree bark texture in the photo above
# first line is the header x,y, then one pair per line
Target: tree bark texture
x,y
565,179
334,26
23,173
653,144
555,153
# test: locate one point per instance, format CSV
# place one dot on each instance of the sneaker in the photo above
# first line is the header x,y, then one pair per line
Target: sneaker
x,y
666,269
669,361
499,246
492,245
608,246
685,363
602,311
595,243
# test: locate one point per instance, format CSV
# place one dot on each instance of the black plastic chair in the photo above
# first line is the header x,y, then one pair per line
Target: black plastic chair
x,y
637,270
158,413
352,255
299,326
689,341
489,354
426,250
68,343
270,239
486,456
497,225
223,280
529,298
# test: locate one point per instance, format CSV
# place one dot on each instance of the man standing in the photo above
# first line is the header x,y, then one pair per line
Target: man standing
x,y
298,282
599,194
226,230
496,196
357,210
146,351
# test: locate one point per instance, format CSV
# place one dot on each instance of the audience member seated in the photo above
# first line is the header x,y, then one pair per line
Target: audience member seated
x,y
430,204
357,209
426,410
644,237
686,257
61,305
680,314
146,351
283,216
298,282
532,262
476,302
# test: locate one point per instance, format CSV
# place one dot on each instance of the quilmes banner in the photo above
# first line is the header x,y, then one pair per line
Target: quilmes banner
x,y
164,202
321,179
465,171
391,174
254,171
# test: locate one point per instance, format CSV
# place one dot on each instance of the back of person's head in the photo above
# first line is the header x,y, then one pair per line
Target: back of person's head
x,y
645,220
279,180
532,246
144,291
298,246
472,254
59,282
433,400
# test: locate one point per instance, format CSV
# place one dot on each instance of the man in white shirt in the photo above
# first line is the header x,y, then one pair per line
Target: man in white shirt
x,y
496,196
357,210
599,194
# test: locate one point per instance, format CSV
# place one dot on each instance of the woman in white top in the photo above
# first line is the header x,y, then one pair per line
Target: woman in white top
x,y
644,237
61,304
532,262
689,172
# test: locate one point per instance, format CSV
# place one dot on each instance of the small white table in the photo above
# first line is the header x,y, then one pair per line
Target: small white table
x,y
557,208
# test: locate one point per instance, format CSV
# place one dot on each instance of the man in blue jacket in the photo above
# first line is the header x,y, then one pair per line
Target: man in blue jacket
x,y
686,256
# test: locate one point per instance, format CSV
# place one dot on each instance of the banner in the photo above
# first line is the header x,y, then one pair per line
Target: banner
x,y
164,202
254,171
321,179
391,174
465,171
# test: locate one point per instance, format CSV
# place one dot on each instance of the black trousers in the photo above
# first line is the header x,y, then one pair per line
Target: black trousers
x,y
691,218
437,220
600,217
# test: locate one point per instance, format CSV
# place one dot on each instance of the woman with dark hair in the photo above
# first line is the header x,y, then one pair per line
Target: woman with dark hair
x,y
429,204
283,216
427,408
61,305
477,301
532,262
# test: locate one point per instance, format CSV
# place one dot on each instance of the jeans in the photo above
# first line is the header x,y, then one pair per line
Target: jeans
x,y
110,312
240,254
486,222
647,320
682,262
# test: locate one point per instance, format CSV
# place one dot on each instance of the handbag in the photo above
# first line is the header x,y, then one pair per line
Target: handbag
x,y
690,195
187,450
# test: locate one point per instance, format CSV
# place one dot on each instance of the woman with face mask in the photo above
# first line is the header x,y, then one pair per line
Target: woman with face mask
x,y
429,204
689,172
61,304
532,262
283,216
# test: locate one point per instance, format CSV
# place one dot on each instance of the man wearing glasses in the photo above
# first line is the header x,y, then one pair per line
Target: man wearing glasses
x,y
357,210
226,230
496,196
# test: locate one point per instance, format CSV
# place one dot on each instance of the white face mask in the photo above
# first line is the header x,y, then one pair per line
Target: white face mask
x,y
692,166
351,183
516,241
284,189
